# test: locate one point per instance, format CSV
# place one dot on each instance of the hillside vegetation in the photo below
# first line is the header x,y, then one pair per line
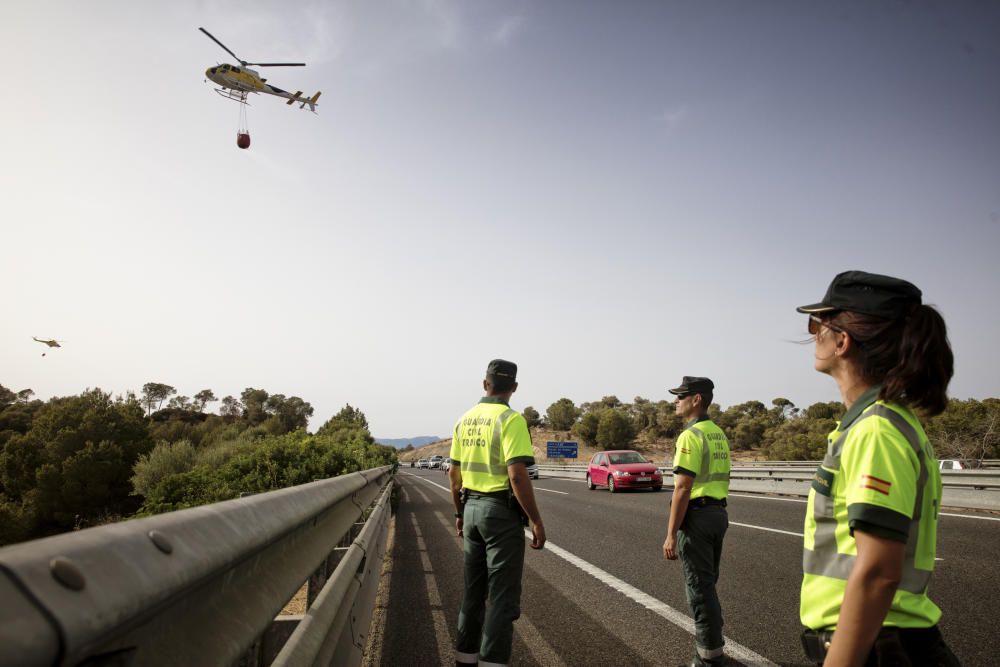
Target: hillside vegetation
x,y
78,461
967,429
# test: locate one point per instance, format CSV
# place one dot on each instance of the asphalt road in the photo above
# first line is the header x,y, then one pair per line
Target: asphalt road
x,y
601,592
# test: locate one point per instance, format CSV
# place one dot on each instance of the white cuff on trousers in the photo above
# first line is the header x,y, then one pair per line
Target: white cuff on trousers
x,y
467,658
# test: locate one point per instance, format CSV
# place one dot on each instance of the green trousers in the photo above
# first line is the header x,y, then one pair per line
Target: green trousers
x,y
494,561
699,545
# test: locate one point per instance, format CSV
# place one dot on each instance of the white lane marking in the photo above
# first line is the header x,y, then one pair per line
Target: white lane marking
x,y
565,493
971,516
443,488
771,530
787,500
734,650
442,633
681,620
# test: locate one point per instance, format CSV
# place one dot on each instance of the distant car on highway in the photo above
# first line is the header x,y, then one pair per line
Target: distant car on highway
x,y
435,461
533,471
446,465
423,463
622,469
959,464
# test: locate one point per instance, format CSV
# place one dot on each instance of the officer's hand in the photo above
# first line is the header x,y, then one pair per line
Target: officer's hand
x,y
459,524
670,548
537,536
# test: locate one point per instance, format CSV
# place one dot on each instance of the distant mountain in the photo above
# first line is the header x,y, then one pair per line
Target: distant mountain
x,y
401,443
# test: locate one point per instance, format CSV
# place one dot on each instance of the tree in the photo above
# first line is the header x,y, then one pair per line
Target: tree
x,y
254,401
6,396
562,414
668,423
783,409
586,428
614,430
203,398
231,408
72,466
290,413
643,413
24,395
347,419
966,429
154,393
179,403
532,417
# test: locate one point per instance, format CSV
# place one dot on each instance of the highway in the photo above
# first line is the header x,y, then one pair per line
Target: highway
x,y
601,592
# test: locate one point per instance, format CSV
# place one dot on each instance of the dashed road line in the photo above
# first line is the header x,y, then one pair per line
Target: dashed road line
x,y
662,609
971,516
442,633
770,530
787,500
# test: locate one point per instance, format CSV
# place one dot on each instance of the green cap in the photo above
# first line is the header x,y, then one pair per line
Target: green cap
x,y
867,293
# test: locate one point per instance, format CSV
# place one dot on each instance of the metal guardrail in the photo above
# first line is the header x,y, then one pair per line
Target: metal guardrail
x,y
200,586
969,489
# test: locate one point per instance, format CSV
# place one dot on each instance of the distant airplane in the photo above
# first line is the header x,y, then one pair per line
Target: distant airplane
x,y
50,343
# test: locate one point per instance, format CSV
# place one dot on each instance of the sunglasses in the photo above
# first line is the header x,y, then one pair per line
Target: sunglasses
x,y
816,323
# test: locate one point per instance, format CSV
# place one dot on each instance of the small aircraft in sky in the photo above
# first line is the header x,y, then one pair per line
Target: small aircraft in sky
x,y
50,342
236,82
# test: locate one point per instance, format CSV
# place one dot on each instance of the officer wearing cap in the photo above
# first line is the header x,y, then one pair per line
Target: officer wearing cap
x,y
871,521
698,518
490,451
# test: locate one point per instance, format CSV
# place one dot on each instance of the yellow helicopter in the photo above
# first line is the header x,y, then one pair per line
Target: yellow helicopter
x,y
50,342
236,82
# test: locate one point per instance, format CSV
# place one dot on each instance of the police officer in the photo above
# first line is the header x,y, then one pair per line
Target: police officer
x,y
490,452
698,518
871,521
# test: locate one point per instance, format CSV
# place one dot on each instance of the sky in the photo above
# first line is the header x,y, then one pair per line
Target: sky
x,y
612,195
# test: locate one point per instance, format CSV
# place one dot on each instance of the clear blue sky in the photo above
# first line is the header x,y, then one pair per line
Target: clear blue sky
x,y
612,195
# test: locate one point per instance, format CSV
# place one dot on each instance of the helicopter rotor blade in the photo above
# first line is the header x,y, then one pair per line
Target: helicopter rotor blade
x,y
275,64
226,48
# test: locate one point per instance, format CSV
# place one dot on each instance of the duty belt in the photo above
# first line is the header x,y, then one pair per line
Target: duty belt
x,y
502,493
707,500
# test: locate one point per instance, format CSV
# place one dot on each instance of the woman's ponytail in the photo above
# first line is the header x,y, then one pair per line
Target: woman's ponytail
x,y
911,357
925,364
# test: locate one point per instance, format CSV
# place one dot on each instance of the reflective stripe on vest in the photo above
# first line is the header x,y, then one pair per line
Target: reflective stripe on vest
x,y
496,465
824,559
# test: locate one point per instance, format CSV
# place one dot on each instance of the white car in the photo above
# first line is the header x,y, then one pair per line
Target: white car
x,y
423,463
533,471
435,461
446,465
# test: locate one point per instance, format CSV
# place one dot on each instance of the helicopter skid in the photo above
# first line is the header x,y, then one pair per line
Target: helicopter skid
x,y
235,95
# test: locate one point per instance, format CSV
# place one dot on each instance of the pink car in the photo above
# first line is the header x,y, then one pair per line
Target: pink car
x,y
622,469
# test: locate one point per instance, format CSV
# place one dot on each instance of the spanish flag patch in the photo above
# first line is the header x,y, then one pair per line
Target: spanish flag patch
x,y
876,484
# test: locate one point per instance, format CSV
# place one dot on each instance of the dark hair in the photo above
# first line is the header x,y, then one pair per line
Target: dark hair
x,y
501,384
706,401
910,357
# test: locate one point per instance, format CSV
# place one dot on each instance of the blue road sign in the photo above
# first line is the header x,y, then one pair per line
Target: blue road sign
x,y
561,450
